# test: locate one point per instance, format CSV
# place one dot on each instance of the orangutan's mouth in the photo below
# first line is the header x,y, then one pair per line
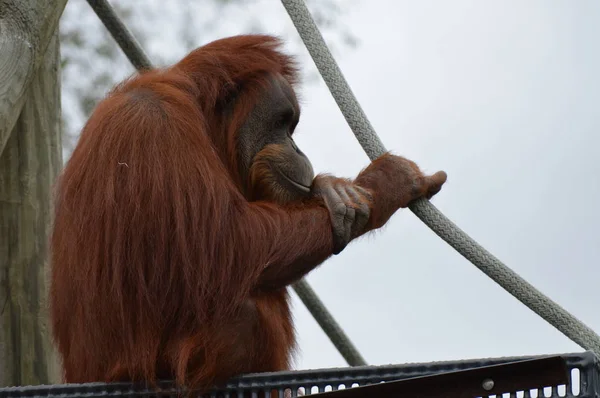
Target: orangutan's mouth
x,y
301,187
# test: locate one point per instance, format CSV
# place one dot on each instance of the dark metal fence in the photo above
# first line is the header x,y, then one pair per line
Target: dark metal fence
x,y
582,368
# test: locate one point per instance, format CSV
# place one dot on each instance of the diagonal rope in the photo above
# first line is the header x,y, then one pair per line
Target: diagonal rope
x,y
332,329
549,310
307,295
124,38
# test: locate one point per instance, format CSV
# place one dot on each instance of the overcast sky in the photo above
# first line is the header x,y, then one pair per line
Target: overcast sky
x,y
503,96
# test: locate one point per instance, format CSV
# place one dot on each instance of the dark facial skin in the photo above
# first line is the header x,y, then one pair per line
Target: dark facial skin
x,y
270,161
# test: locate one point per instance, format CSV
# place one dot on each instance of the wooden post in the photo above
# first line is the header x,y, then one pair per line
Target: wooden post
x,y
26,27
30,159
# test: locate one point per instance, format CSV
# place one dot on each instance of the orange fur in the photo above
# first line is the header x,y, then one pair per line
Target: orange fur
x,y
161,267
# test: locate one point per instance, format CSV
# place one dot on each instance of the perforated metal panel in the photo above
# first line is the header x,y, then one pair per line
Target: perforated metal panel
x,y
584,381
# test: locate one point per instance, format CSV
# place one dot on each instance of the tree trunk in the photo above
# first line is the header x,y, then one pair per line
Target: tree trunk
x,y
29,164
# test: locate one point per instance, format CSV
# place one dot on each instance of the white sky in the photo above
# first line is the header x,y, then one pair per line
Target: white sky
x,y
503,96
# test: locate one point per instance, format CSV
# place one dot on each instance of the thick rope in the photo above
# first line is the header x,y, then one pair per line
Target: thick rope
x,y
331,328
124,38
553,313
307,295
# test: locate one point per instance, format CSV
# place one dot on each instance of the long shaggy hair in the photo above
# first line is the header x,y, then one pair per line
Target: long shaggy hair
x,y
151,239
